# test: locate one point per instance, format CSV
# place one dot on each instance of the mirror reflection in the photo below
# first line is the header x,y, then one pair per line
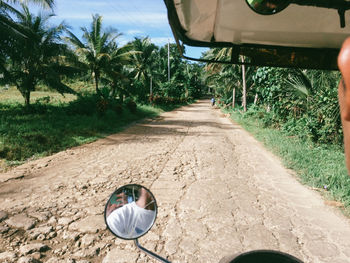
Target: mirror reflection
x,y
130,211
267,7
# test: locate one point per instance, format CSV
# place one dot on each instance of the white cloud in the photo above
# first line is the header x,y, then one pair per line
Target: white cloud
x,y
161,41
140,19
122,40
135,32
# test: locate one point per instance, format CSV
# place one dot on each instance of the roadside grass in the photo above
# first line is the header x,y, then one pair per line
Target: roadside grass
x,y
44,129
54,123
319,166
35,134
12,95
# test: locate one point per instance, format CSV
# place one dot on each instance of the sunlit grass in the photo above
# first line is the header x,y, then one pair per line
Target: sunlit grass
x,y
54,123
320,166
43,129
12,95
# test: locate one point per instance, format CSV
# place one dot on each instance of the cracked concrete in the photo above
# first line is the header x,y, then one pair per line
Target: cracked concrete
x,y
218,190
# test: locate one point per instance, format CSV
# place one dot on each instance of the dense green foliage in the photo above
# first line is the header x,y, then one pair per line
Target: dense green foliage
x,y
34,55
302,103
299,102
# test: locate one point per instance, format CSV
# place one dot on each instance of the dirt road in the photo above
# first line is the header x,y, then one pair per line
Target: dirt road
x,y
219,192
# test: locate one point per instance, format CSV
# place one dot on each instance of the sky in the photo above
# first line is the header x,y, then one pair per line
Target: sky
x,y
132,18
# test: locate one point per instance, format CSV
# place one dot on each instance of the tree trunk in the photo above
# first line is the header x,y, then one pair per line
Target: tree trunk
x,y
151,88
27,98
233,97
256,98
113,90
96,83
25,94
244,95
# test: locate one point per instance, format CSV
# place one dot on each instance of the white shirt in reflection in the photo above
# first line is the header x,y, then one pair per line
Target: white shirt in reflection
x,y
130,221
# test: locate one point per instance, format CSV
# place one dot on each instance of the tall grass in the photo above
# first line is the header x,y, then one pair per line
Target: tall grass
x,y
317,165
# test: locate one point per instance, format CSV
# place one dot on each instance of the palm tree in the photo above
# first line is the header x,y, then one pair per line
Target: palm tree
x,y
223,78
304,86
144,59
38,56
181,72
10,27
94,51
143,66
116,73
239,75
193,74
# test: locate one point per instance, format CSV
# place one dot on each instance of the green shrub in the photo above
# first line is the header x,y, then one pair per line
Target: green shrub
x,y
117,108
4,151
43,100
161,100
131,105
84,105
102,106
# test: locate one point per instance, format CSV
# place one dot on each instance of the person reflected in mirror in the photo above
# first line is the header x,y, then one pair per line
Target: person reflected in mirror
x,y
121,199
344,97
132,219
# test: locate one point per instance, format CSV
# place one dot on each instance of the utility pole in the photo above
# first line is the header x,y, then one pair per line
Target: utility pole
x,y
168,60
150,89
233,97
244,96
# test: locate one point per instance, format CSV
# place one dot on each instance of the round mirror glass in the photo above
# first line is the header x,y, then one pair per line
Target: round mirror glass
x,y
267,7
130,211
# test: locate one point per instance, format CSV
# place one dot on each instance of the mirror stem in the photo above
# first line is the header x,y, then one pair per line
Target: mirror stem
x,y
341,13
150,253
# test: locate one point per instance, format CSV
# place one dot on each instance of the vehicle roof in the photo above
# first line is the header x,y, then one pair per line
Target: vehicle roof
x,y
298,36
234,22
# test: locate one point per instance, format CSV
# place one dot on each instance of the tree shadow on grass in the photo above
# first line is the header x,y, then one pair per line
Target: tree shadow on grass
x,y
44,129
41,130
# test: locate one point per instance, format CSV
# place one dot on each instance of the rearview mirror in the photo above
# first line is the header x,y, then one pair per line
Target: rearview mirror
x,y
267,7
130,212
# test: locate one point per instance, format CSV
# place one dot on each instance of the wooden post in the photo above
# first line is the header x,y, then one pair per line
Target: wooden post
x,y
256,98
244,96
233,97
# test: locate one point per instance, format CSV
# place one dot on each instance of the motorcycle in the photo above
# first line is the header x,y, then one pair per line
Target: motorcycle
x,y
131,211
